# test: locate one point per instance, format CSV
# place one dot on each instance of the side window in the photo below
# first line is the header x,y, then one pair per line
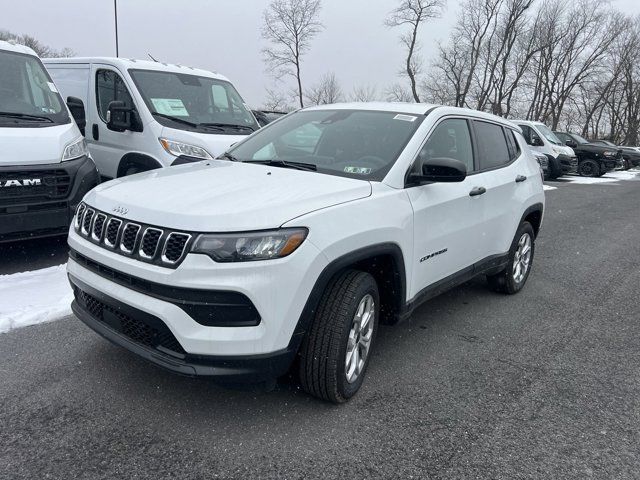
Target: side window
x,y
450,139
492,145
110,87
512,143
526,133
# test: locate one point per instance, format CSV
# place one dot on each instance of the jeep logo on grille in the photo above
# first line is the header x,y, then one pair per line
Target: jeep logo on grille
x,y
27,182
120,210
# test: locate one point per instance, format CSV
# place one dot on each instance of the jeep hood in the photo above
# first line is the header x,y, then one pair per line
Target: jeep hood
x,y
224,196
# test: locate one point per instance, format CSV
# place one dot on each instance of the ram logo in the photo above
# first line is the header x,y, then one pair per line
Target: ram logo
x,y
27,182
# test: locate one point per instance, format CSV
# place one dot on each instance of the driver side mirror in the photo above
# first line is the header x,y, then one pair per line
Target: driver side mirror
x,y
536,141
121,118
441,170
76,107
571,143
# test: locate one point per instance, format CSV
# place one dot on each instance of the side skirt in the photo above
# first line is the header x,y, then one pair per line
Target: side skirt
x,y
489,265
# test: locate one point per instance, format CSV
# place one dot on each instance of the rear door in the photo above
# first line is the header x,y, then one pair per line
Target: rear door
x,y
448,221
503,174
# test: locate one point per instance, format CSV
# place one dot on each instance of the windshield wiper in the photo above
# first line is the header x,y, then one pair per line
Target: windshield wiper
x,y
229,125
228,156
25,116
310,167
175,119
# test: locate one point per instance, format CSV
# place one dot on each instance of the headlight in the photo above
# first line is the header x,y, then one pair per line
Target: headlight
x,y
75,150
247,247
609,153
179,148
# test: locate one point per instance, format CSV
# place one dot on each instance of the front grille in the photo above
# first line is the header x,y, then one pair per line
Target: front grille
x,y
129,237
34,185
150,241
143,242
98,226
113,228
156,335
174,247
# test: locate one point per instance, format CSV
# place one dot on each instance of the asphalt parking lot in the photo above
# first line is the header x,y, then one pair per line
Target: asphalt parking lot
x,y
544,384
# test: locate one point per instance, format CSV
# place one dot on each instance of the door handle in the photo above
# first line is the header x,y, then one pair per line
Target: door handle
x,y
520,178
477,191
95,132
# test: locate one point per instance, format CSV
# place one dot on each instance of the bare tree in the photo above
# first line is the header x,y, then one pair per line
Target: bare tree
x,y
289,26
276,101
41,49
326,91
413,13
397,93
364,93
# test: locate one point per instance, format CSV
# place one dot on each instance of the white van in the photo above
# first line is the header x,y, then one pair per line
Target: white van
x,y
143,115
540,138
45,168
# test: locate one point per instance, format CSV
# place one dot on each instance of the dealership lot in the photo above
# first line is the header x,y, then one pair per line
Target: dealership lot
x,y
544,383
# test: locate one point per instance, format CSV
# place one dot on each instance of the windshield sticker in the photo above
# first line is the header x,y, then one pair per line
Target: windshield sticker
x,y
405,118
170,106
52,87
358,170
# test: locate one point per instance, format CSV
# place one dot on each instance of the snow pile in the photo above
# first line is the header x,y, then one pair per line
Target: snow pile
x,y
611,178
39,296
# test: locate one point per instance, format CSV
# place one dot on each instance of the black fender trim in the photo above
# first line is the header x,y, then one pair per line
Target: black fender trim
x,y
536,207
336,266
149,163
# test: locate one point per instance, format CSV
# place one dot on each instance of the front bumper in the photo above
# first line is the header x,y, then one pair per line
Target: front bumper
x,y
568,164
148,336
48,211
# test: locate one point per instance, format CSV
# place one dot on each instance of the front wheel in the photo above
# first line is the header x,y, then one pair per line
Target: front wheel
x,y
335,353
514,276
589,168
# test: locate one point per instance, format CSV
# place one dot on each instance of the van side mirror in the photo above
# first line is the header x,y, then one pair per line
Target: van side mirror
x,y
440,170
536,141
76,107
571,143
121,118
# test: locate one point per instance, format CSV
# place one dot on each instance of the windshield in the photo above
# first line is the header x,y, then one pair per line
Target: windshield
x,y
578,138
548,134
190,102
28,97
348,143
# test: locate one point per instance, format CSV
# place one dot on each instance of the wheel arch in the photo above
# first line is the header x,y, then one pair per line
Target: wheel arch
x,y
133,158
384,261
533,215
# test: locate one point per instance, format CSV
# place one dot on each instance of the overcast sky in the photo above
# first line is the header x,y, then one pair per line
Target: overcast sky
x,y
224,36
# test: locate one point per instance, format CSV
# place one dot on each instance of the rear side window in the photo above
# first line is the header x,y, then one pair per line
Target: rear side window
x,y
512,143
450,139
493,150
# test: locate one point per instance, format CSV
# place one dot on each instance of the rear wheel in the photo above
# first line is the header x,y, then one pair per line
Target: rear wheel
x,y
514,276
335,354
589,168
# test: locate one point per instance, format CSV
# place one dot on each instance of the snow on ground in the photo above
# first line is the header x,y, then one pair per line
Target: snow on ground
x,y
612,178
39,296
549,187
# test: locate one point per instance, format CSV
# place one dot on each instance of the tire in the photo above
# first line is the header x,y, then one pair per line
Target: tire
x,y
507,281
589,168
627,165
131,170
323,357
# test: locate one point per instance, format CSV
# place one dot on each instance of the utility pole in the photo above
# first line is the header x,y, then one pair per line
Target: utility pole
x,y
115,14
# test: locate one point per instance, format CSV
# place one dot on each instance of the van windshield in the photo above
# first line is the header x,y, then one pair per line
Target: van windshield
x,y
548,134
28,97
191,102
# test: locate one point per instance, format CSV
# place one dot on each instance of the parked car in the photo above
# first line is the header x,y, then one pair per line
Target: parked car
x,y
593,160
562,159
276,252
45,168
630,155
543,161
144,115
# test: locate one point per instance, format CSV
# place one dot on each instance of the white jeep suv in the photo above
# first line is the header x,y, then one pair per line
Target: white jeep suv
x,y
306,234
